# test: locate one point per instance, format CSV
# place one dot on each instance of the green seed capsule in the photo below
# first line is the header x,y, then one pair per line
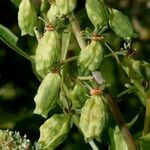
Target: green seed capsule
x,y
78,96
91,56
26,17
47,95
54,131
97,12
121,25
117,140
48,52
93,118
52,13
66,6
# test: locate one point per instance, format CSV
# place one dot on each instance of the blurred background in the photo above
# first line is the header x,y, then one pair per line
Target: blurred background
x,y
18,84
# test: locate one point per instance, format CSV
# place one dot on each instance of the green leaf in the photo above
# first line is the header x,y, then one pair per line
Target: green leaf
x,y
65,43
145,142
16,2
8,37
11,39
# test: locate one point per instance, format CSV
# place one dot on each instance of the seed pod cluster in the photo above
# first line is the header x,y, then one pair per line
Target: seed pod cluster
x,y
48,94
93,118
54,131
120,24
97,12
91,56
66,6
47,52
26,17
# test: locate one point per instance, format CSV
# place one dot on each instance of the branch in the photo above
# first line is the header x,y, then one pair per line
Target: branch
x,y
111,102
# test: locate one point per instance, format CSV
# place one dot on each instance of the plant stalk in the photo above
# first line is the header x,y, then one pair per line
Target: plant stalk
x,y
146,128
76,30
111,102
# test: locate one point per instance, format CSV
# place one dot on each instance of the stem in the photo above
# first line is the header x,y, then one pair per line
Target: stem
x,y
111,102
84,78
25,55
146,128
70,59
93,145
132,89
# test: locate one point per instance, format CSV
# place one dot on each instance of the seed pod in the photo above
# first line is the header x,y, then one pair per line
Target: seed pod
x,y
47,52
26,17
117,140
54,131
47,95
52,13
121,25
78,96
91,56
97,12
93,118
66,6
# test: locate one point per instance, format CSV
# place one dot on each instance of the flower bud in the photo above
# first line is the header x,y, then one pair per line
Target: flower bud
x,y
93,118
121,25
54,131
142,68
66,6
47,95
78,96
91,56
136,67
47,52
26,17
52,13
97,12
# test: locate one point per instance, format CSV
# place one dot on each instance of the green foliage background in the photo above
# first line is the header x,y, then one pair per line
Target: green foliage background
x,y
18,84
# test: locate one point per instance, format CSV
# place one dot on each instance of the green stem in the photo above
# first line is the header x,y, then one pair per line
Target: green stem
x,y
111,102
84,78
22,53
70,59
132,89
146,128
93,145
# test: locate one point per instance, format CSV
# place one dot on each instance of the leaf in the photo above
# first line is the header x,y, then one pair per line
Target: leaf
x,y
8,37
16,2
145,142
65,43
11,39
